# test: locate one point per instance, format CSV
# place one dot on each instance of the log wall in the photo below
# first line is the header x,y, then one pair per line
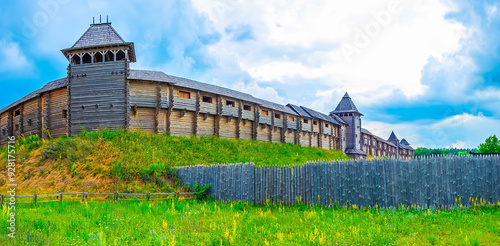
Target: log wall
x,y
97,96
426,183
182,122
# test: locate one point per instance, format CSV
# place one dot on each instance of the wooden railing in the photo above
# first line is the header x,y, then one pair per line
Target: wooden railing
x,y
83,196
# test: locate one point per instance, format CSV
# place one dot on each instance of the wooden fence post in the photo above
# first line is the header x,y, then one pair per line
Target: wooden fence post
x,y
116,196
148,195
1,204
83,196
60,197
34,198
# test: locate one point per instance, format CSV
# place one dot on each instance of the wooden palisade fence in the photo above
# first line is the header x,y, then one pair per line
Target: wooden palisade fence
x,y
83,196
425,182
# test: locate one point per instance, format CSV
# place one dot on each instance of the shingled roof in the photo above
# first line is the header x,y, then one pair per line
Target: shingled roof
x,y
404,142
318,115
191,84
346,105
299,110
393,137
99,34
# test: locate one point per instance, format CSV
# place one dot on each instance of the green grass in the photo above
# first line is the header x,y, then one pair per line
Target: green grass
x,y
215,223
144,153
133,161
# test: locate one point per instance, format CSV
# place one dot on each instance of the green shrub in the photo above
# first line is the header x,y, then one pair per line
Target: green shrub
x,y
201,193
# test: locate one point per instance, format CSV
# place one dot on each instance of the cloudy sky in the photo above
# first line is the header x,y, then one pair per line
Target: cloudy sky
x,y
429,70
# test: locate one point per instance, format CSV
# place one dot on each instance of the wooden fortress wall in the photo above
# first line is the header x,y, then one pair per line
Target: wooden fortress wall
x,y
47,111
163,107
97,101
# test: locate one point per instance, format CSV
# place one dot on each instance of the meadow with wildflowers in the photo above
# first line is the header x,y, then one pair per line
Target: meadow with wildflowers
x,y
190,222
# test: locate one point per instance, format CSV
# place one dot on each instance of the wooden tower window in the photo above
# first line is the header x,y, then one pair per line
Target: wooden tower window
x,y
207,99
315,123
264,112
326,125
247,107
184,94
277,116
109,56
120,56
291,118
306,121
87,59
98,57
17,113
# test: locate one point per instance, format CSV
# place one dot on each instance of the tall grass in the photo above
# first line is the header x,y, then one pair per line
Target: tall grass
x,y
215,223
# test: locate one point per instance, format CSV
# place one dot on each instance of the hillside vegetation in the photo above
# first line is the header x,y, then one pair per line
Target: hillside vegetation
x,y
135,161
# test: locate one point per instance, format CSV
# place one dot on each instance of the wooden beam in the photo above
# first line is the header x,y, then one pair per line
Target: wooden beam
x,y
272,126
21,119
170,107
197,113
68,97
218,116
285,127
127,104
256,121
47,113
158,106
238,127
299,130
39,118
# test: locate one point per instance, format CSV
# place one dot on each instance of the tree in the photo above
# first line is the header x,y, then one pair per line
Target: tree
x,y
490,146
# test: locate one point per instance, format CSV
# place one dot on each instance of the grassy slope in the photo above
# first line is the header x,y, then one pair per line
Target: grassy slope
x,y
137,162
214,223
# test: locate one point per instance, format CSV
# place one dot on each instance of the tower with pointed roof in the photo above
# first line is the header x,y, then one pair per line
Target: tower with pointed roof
x,y
97,79
348,112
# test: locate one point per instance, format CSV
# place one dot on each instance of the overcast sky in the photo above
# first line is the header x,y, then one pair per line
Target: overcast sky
x,y
429,70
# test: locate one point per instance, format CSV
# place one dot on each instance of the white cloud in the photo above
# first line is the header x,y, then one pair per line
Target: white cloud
x,y
267,93
465,131
13,58
298,33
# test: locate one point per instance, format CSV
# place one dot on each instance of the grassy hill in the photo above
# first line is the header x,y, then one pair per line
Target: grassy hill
x,y
134,161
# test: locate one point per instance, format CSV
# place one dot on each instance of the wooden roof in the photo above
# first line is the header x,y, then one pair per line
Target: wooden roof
x,y
346,105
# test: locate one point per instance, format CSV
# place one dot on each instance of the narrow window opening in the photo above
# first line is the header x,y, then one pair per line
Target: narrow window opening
x,y
277,116
247,107
75,60
230,103
264,112
109,56
184,94
98,57
87,59
4,132
65,113
326,125
207,99
17,113
30,122
306,121
120,56
315,123
291,118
